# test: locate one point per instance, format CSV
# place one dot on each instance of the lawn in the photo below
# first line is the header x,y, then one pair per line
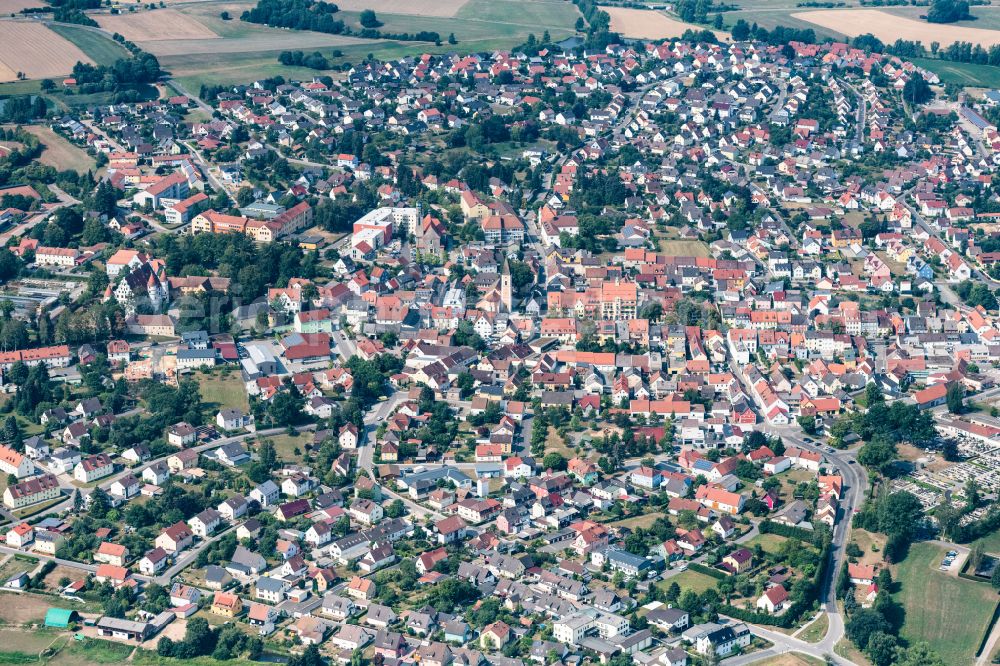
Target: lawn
x,y
690,580
771,543
219,391
92,651
643,521
16,565
991,543
36,508
684,248
847,650
871,545
96,45
29,643
792,659
950,613
555,444
285,445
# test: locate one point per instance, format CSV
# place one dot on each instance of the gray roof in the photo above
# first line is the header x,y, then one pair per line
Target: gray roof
x,y
268,584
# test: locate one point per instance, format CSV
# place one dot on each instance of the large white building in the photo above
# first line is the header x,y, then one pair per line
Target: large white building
x,y
12,462
571,630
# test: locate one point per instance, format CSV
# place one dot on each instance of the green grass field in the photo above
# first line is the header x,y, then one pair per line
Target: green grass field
x,y
218,391
771,543
815,632
684,248
643,521
961,73
285,445
690,580
991,543
480,25
770,13
986,18
96,45
952,614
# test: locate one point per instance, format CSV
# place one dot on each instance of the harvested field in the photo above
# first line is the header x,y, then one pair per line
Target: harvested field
x,y
277,41
35,50
15,6
440,8
26,608
889,28
155,26
647,24
7,74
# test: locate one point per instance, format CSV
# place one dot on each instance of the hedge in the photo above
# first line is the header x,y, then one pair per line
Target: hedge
x,y
815,537
708,571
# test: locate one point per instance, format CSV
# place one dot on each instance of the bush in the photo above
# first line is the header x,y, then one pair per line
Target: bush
x,y
369,20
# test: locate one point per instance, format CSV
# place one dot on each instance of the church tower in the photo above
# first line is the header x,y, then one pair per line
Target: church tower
x,y
506,295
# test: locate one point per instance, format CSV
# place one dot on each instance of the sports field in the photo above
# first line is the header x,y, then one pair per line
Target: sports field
x,y
36,51
950,613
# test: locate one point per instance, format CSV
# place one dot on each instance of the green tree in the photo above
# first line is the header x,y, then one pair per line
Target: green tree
x,y
368,19
554,461
955,398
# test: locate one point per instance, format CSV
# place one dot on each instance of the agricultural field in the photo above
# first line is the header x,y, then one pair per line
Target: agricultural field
x,y
98,46
985,17
15,6
158,25
890,27
442,8
962,73
769,13
60,153
246,51
950,613
646,24
36,51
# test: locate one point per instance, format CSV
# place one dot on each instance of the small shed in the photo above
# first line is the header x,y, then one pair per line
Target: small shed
x,y
59,618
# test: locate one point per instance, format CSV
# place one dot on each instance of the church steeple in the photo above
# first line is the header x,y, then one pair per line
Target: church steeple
x,y
506,293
